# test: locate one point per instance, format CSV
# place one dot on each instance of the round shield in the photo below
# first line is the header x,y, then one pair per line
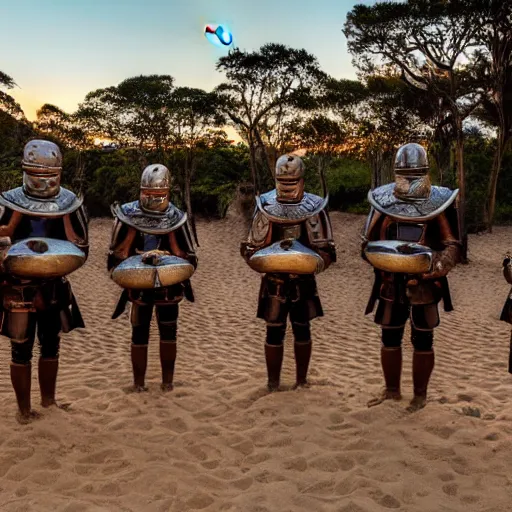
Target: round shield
x,y
399,257
287,257
41,258
137,274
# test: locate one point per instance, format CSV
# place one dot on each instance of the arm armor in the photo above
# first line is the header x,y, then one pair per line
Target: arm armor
x,y
121,244
320,236
443,261
181,244
9,220
76,229
259,236
370,231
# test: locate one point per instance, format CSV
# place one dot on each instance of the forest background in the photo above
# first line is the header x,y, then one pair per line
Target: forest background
x,y
434,72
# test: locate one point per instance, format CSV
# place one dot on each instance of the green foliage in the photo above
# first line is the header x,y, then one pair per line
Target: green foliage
x,y
348,181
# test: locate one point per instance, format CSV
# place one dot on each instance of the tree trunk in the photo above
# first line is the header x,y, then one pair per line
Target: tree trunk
x,y
461,179
265,154
376,166
252,160
189,162
80,167
493,180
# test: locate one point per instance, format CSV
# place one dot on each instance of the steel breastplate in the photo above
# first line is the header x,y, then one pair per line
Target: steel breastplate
x,y
277,212
384,201
406,232
132,215
64,203
151,242
288,231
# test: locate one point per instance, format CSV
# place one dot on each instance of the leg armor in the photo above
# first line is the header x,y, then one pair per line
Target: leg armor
x,y
167,318
141,322
392,337
423,361
21,327
391,363
302,346
48,328
422,340
274,350
21,353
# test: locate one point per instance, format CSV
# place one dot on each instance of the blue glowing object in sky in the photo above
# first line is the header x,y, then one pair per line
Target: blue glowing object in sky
x,y
218,35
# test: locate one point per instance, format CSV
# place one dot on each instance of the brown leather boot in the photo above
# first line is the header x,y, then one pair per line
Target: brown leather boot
x,y
391,362
302,358
167,361
139,365
48,369
21,382
274,360
422,366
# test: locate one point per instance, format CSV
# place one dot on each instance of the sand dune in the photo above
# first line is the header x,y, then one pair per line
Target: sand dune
x,y
219,442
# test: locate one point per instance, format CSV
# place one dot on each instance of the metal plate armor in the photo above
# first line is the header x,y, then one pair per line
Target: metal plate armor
x,y
132,215
384,201
64,203
275,211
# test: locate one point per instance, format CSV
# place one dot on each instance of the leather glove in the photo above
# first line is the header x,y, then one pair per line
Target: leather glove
x,y
442,262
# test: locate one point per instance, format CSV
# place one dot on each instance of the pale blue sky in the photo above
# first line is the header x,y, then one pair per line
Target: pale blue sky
x,y
59,50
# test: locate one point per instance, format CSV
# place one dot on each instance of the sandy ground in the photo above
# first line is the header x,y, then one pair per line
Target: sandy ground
x,y
219,442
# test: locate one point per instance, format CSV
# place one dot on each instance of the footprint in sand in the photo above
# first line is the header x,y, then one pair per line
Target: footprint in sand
x,y
296,464
450,489
102,456
332,464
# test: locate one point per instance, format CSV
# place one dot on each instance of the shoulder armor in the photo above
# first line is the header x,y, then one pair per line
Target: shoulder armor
x,y
132,215
189,244
319,228
283,213
2,211
384,201
64,203
259,229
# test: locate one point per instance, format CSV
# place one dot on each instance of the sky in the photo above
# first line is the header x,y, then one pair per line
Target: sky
x,y
59,50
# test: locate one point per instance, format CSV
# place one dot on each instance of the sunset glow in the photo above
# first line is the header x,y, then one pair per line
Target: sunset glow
x,y
95,44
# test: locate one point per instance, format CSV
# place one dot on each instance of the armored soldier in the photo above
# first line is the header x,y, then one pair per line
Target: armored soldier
x,y
151,235
412,239
506,313
34,219
289,242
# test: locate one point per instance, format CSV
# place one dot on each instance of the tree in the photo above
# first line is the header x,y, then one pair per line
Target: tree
x,y
262,87
194,116
65,128
55,122
323,139
428,41
133,113
494,68
7,103
378,115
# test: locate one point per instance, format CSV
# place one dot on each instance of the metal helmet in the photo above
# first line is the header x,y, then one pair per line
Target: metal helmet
x,y
412,180
289,179
154,189
42,166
